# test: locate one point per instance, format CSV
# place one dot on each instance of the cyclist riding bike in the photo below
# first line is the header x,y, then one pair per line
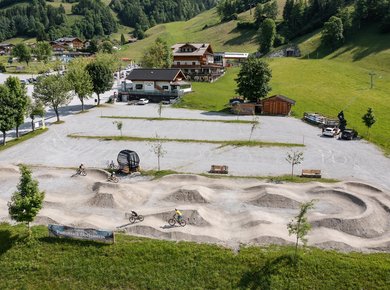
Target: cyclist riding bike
x,y
134,213
178,214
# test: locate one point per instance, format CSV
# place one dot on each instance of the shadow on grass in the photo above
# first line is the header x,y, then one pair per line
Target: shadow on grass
x,y
7,240
262,278
247,35
73,242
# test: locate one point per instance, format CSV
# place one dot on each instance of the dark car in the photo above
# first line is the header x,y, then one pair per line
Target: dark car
x,y
349,134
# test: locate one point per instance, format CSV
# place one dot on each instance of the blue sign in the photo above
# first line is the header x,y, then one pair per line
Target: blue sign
x,y
81,234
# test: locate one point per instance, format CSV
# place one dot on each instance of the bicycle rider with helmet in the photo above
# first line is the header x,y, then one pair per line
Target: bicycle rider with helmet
x,y
178,214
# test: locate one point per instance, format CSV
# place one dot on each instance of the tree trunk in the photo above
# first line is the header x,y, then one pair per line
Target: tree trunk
x,y
82,104
57,114
98,99
32,123
4,136
292,170
158,163
29,229
17,131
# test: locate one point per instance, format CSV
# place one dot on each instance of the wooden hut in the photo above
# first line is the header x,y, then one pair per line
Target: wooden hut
x,y
277,105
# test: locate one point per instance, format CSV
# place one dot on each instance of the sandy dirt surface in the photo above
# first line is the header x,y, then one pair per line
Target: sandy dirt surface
x,y
347,215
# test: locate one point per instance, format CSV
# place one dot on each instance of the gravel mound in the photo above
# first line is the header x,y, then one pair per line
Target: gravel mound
x,y
275,201
104,200
186,195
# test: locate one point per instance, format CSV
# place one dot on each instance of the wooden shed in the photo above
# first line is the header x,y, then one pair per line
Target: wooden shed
x,y
277,105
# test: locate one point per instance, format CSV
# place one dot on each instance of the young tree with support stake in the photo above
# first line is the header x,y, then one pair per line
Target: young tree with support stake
x,y
27,201
294,158
299,226
158,149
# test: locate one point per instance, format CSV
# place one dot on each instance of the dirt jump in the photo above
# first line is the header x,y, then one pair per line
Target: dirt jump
x,y
347,215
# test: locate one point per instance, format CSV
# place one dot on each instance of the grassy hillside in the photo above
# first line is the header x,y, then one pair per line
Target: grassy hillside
x,y
203,28
140,263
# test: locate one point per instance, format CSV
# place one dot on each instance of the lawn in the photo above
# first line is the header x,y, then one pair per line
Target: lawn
x,y
140,263
214,96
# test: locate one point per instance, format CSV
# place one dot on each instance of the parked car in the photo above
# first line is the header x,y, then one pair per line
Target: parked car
x,y
142,101
349,134
330,132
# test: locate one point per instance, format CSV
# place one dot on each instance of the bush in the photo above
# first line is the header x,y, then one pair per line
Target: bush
x,y
279,40
2,68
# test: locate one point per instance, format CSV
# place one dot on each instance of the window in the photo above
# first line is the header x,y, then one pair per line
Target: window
x,y
178,63
138,86
193,63
165,88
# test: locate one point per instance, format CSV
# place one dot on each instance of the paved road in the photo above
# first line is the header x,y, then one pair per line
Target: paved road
x,y
352,160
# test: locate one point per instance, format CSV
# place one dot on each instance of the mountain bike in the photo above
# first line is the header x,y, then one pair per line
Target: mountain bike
x,y
134,218
172,222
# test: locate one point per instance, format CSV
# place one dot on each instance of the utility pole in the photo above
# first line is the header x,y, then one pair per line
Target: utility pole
x,y
372,74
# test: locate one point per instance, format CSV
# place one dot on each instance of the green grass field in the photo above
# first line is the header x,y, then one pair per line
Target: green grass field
x,y
222,36
140,263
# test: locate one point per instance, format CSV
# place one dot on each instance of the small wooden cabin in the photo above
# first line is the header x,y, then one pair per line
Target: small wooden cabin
x,y
277,105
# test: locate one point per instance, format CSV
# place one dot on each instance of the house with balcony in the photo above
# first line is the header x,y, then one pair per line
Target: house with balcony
x,y
67,43
156,85
196,60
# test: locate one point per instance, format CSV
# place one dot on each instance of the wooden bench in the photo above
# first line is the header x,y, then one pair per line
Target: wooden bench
x,y
220,169
313,173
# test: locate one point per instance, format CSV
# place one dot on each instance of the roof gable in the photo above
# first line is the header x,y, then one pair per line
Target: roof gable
x,y
281,97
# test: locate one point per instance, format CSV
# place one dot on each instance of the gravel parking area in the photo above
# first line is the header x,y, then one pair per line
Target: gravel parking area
x,y
352,160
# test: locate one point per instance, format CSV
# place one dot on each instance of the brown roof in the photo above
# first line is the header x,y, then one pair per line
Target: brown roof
x,y
284,98
200,49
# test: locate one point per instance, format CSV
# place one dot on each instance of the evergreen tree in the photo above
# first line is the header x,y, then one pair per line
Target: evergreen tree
x,y
253,79
27,201
123,39
369,120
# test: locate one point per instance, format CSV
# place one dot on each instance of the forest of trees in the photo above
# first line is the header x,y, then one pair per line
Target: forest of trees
x,y
338,18
143,14
38,19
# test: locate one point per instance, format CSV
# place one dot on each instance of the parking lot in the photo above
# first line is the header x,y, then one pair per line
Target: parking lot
x,y
352,160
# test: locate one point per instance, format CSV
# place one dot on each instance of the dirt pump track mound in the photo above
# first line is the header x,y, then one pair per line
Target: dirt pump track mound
x,y
347,215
